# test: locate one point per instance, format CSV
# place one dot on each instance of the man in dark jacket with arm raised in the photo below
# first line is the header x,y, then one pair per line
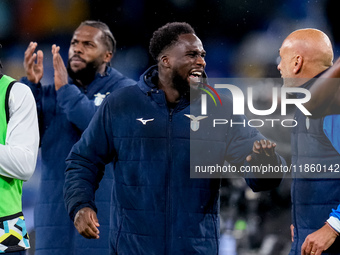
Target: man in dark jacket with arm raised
x,y
65,108
145,130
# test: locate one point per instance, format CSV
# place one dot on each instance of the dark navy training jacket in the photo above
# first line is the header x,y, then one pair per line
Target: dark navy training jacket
x,y
315,189
156,207
63,116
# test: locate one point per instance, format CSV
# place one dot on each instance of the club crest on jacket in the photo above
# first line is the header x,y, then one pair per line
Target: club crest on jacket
x,y
194,123
99,98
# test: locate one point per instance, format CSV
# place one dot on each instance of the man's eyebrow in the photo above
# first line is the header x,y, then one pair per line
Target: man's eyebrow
x,y
197,51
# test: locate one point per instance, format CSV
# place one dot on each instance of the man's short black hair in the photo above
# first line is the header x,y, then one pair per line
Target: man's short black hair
x,y
166,36
108,39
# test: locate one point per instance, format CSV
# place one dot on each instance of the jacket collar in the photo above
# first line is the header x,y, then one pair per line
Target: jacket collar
x,y
308,84
108,72
148,80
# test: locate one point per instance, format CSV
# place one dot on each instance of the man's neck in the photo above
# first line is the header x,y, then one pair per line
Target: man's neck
x,y
85,81
171,93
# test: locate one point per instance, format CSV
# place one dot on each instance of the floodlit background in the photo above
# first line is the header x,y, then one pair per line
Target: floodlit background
x,y
242,39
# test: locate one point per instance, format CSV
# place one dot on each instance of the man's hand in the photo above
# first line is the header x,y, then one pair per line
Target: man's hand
x,y
262,148
318,241
33,63
86,223
60,72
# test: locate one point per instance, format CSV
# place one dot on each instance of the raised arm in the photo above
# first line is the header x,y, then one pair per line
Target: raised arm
x,y
325,93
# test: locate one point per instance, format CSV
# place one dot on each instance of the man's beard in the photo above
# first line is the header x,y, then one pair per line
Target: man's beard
x,y
85,75
180,84
184,88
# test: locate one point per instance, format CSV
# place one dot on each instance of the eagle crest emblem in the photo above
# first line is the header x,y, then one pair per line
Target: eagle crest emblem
x,y
194,123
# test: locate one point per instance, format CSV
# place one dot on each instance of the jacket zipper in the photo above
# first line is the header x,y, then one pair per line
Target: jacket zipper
x,y
168,175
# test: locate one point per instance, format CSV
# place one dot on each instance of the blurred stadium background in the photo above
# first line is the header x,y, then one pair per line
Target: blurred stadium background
x,y
242,39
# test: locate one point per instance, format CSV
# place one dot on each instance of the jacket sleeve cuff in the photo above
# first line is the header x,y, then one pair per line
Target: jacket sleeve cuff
x,y
334,223
26,81
76,209
64,89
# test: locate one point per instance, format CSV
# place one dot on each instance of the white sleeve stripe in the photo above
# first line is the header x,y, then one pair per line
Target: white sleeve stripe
x,y
335,223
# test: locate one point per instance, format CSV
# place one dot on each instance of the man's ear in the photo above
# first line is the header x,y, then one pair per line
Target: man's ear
x,y
165,61
108,56
298,64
